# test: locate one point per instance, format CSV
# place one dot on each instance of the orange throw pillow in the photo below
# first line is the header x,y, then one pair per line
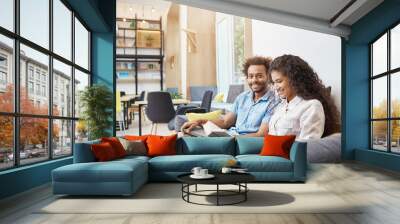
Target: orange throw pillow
x,y
142,138
277,145
116,145
103,152
161,145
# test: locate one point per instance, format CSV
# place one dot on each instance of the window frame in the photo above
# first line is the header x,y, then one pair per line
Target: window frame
x,y
388,74
16,114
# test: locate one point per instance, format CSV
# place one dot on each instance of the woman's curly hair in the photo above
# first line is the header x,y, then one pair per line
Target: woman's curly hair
x,y
308,85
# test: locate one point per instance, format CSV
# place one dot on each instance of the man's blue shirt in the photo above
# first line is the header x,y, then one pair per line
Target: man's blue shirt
x,y
250,114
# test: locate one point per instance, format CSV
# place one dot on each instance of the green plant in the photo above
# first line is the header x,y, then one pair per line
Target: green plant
x,y
149,37
149,40
176,96
132,25
96,103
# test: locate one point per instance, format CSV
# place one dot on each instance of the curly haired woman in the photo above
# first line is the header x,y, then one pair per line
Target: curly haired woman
x,y
307,110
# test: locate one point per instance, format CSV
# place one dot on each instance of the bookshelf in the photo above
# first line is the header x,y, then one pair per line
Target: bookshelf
x,y
139,51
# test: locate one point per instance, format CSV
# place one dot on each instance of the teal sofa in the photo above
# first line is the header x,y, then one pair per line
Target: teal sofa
x,y
125,176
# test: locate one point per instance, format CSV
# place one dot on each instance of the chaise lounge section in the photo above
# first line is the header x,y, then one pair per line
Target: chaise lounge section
x,y
125,176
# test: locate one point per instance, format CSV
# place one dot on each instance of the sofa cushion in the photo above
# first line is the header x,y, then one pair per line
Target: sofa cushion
x,y
257,163
161,145
214,115
134,147
132,158
135,137
249,145
116,145
185,163
206,145
83,152
112,171
277,145
103,151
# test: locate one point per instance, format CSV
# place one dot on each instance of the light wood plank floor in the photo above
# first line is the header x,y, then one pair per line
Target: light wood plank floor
x,y
378,188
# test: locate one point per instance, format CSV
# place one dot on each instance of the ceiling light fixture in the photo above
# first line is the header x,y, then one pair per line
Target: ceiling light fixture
x,y
143,21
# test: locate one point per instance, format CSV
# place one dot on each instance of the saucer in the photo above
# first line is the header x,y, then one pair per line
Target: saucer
x,y
208,176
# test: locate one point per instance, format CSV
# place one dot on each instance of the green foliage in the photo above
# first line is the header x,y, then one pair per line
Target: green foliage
x,y
132,25
380,127
96,102
176,96
239,43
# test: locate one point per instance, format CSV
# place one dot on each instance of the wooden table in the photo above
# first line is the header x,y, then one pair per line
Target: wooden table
x,y
125,102
141,103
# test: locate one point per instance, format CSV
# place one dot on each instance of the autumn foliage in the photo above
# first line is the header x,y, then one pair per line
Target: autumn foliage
x,y
380,127
33,131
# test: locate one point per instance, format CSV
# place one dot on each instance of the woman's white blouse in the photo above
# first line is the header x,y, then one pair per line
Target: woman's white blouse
x,y
303,118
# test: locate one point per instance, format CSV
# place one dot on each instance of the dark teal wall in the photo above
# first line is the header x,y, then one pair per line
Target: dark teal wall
x,y
99,16
103,64
356,84
355,112
24,178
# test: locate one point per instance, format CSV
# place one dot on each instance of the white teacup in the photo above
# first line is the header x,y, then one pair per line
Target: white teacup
x,y
226,170
196,171
203,172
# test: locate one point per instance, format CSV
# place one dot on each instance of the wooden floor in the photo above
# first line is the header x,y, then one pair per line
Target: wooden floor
x,y
378,189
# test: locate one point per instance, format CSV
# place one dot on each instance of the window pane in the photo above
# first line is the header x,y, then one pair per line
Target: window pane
x,y
62,29
395,94
379,55
6,142
81,45
379,135
33,139
238,23
62,138
34,72
62,89
35,21
395,47
379,98
395,136
6,74
7,14
81,132
81,81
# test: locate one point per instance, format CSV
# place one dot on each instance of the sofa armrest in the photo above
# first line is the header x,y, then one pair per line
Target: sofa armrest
x,y
298,155
83,152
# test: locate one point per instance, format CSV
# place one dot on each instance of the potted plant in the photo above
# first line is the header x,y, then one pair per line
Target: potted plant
x,y
176,96
132,24
149,40
81,130
96,102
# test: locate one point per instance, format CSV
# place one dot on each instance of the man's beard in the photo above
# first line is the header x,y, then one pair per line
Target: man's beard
x,y
260,90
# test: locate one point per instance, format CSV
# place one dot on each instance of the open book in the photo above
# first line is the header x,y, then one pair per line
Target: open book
x,y
211,130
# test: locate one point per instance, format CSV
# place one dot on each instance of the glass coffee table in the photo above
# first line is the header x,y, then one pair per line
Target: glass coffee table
x,y
238,179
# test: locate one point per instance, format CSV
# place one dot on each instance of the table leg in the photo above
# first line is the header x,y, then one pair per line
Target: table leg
x,y
217,194
127,116
245,193
140,119
188,190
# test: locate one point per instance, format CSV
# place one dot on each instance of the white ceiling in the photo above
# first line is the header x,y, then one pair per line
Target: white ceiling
x,y
313,15
149,9
321,9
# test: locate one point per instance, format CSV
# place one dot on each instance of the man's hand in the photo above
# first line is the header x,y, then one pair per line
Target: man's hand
x,y
187,127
